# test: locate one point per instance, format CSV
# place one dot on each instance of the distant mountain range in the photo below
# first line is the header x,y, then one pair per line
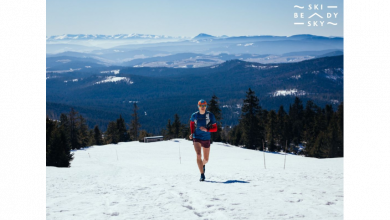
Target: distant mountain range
x,y
107,37
103,75
101,93
120,49
77,37
152,58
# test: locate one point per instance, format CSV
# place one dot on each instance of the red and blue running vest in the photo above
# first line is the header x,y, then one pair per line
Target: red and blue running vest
x,y
202,121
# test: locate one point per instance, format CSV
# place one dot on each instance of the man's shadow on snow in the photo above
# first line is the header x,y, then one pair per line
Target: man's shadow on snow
x,y
227,182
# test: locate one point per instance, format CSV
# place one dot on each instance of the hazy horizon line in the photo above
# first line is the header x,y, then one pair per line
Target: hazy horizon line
x,y
199,34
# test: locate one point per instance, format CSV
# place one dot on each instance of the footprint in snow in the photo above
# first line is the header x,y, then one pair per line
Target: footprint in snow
x,y
115,214
188,207
198,214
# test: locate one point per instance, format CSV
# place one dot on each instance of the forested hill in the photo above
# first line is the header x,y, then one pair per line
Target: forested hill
x,y
102,93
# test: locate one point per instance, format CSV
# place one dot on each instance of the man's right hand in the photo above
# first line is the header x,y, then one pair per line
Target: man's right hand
x,y
190,137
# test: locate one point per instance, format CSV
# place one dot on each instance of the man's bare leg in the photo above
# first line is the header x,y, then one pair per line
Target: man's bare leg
x,y
206,153
198,151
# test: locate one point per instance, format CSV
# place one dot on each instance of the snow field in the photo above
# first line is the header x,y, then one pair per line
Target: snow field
x,y
147,181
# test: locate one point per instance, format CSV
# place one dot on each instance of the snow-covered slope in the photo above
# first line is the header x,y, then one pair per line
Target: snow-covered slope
x,y
146,181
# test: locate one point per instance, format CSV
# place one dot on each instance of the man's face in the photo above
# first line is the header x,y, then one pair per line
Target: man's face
x,y
202,107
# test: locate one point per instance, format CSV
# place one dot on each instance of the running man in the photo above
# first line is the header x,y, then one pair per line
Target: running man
x,y
202,123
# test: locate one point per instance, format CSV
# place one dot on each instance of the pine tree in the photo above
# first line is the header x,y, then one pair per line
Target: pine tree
x,y
176,125
281,126
185,131
328,114
97,136
112,135
318,127
170,132
64,123
327,143
134,125
319,149
50,127
340,129
65,126
308,122
91,139
334,142
238,138
60,154
249,121
271,131
287,133
121,126
262,115
225,134
83,131
296,116
213,107
235,135
74,132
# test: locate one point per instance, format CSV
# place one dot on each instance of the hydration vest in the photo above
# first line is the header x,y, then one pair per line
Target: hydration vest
x,y
207,119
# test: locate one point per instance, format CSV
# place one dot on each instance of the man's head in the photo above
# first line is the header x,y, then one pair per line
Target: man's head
x,y
202,104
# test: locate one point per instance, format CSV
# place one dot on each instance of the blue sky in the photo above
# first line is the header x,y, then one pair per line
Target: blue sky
x,y
189,18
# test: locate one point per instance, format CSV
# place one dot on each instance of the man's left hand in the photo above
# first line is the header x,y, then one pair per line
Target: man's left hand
x,y
203,129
